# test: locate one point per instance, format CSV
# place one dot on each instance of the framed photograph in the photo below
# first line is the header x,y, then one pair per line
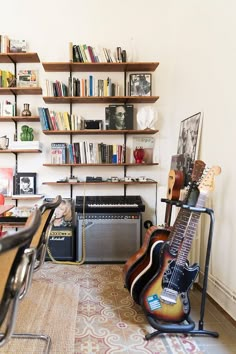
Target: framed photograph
x,y
27,78
140,84
25,183
119,117
188,143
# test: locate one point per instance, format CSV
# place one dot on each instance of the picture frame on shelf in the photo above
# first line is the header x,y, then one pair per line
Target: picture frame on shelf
x,y
140,84
119,117
25,183
27,78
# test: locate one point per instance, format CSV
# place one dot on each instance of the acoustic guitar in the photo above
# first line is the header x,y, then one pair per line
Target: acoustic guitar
x,y
149,266
175,183
165,297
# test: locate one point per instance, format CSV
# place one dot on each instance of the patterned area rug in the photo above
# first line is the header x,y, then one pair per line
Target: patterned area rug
x,y
48,308
108,321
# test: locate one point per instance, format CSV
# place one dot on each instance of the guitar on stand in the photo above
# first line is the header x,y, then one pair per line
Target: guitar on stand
x,y
175,184
136,262
150,265
165,297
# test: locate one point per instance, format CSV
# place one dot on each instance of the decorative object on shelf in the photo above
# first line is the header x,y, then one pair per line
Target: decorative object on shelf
x,y
26,111
139,154
147,118
140,84
4,142
147,144
25,183
27,133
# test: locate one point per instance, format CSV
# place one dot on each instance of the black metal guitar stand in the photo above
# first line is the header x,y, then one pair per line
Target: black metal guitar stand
x,y
188,326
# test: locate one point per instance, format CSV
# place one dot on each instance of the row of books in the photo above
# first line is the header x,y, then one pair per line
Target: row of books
x,y
12,45
83,53
51,120
85,152
83,87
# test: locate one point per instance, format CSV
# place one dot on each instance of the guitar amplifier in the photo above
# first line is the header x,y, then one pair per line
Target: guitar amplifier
x,y
109,237
61,245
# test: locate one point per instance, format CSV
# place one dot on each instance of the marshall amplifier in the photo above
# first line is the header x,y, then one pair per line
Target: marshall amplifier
x,y
109,237
61,245
62,234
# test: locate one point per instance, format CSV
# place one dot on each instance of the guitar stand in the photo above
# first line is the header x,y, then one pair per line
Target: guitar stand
x,y
188,326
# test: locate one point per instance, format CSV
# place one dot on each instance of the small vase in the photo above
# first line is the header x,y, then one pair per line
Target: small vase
x,y
139,154
26,112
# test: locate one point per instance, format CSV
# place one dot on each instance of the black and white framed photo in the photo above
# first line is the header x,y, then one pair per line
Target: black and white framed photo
x,y
140,84
25,183
189,136
119,117
188,145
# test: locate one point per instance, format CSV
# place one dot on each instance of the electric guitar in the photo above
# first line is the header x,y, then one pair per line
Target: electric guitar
x,y
175,183
165,297
149,266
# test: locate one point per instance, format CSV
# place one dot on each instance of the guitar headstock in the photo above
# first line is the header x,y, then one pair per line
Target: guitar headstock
x,y
207,184
198,168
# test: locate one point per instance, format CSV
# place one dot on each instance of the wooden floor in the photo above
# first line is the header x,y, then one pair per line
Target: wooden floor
x,y
214,320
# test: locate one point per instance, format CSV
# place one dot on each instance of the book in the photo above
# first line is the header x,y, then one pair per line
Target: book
x,y
119,117
147,143
58,153
6,181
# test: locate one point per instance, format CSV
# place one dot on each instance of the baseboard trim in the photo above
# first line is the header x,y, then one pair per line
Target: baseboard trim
x,y
199,287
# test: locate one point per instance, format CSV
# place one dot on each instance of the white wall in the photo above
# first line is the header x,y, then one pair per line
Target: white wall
x,y
195,45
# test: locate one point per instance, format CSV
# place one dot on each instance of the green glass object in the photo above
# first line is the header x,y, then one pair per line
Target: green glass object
x,y
26,133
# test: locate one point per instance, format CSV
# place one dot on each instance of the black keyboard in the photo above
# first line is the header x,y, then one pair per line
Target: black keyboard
x,y
114,203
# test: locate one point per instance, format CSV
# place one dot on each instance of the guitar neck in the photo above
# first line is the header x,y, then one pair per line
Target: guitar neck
x,y
190,233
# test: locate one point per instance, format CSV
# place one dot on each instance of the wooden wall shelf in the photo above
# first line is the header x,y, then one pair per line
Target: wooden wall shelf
x,y
101,164
19,119
103,100
19,58
100,132
94,183
20,90
99,67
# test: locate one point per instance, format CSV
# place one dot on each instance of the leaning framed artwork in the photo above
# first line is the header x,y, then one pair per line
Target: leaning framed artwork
x,y
25,183
140,84
189,136
188,145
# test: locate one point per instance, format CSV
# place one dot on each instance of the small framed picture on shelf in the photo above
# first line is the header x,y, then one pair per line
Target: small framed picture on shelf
x,y
140,84
25,183
27,78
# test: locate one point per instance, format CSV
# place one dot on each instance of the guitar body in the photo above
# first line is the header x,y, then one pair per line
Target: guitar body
x,y
165,297
175,183
149,266
138,256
